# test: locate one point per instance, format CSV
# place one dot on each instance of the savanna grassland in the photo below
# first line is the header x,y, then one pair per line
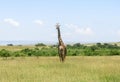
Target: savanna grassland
x,y
98,62
49,69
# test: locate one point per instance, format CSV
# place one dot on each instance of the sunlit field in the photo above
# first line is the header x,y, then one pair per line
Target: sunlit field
x,y
49,69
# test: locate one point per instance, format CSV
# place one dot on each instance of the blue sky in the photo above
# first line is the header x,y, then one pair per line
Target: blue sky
x,y
80,20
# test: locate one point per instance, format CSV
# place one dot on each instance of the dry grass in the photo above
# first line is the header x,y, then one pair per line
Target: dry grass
x,y
16,48
49,69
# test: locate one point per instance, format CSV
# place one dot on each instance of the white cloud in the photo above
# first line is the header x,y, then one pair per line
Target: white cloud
x,y
71,26
11,21
39,22
85,31
80,30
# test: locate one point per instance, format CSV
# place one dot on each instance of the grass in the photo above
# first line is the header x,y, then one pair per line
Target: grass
x,y
49,69
16,48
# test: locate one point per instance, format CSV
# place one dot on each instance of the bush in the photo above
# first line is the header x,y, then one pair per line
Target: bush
x,y
72,50
4,53
114,52
27,52
16,54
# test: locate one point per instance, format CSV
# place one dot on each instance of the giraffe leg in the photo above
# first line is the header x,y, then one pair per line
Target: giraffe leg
x,y
60,55
65,52
63,58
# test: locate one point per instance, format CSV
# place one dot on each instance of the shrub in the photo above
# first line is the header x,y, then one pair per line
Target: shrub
x,y
4,53
27,52
114,52
16,54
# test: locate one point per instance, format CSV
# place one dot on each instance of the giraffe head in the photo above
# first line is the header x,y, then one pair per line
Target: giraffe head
x,y
57,26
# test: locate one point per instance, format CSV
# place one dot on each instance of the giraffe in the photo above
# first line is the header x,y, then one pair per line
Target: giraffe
x,y
62,50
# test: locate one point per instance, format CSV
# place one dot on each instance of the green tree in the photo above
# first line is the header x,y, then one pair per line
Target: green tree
x,y
40,44
99,45
77,45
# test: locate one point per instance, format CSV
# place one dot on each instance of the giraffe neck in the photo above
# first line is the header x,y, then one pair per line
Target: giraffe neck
x,y
59,37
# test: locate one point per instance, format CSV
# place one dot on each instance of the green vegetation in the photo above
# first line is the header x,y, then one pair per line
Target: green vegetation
x,y
49,69
98,62
40,49
4,53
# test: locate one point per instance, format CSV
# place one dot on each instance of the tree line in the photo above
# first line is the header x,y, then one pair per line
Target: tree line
x,y
77,49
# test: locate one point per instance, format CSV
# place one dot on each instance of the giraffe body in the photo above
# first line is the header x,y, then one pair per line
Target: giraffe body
x,y
62,51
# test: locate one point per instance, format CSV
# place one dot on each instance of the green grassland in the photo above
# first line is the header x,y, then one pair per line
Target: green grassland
x,y
49,69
